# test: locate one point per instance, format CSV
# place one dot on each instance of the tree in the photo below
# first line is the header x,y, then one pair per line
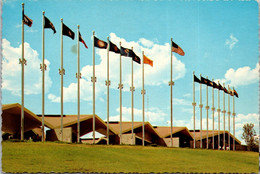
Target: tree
x,y
249,136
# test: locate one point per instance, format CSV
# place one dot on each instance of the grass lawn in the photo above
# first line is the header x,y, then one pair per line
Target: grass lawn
x,y
61,157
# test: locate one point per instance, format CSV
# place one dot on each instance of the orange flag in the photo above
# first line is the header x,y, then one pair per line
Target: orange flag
x,y
148,61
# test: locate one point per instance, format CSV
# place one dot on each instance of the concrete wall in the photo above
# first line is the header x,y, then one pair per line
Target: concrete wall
x,y
55,135
176,142
127,139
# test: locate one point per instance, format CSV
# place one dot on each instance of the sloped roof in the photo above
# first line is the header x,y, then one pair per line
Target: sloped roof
x,y
210,134
127,126
165,131
11,119
85,122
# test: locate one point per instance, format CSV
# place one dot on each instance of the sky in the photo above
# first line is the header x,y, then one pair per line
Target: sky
x,y
219,38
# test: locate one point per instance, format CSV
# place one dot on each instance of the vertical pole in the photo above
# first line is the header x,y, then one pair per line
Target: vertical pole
x,y
108,83
61,84
22,78
201,106
234,114
120,94
194,104
43,69
132,99
207,111
94,82
171,83
229,120
213,110
143,92
78,77
218,110
224,111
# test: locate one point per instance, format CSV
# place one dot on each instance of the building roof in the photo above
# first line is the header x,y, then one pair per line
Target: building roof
x,y
165,131
86,123
11,119
210,134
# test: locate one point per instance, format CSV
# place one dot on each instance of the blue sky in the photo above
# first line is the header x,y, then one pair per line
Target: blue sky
x,y
220,40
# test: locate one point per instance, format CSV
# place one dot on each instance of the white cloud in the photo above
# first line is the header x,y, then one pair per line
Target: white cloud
x,y
153,116
177,101
242,76
31,30
231,42
53,98
12,70
154,76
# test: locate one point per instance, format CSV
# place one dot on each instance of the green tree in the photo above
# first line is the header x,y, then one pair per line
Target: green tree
x,y
249,136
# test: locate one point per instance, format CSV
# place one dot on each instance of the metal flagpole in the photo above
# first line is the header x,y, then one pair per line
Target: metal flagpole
x,y
62,72
132,89
78,76
234,114
108,84
213,110
194,104
143,92
120,86
218,110
94,79
22,62
201,106
224,111
171,83
207,109
43,68
228,120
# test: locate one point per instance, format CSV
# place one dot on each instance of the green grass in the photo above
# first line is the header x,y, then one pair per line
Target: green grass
x,y
62,157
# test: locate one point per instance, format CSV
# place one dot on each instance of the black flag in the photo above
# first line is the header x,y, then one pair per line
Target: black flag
x,y
136,58
126,52
196,79
113,48
68,32
27,20
99,43
48,24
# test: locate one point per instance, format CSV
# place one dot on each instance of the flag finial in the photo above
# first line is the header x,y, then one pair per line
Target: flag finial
x,y
207,77
93,32
224,84
200,75
193,72
108,38
120,43
78,26
61,19
43,12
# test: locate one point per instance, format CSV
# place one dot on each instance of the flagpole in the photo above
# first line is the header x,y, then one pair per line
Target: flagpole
x,y
194,104
120,86
78,75
207,109
228,119
171,83
224,111
43,68
132,89
213,110
201,106
108,84
62,72
218,110
94,79
143,92
22,62
234,114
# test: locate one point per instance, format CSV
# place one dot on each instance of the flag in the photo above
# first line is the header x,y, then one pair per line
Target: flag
x,y
68,32
99,43
210,83
225,90
48,24
113,48
220,87
177,49
148,61
230,92
126,52
81,40
204,81
196,79
235,93
136,58
27,20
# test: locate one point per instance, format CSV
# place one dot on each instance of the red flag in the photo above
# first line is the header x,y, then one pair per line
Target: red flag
x,y
81,40
177,49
